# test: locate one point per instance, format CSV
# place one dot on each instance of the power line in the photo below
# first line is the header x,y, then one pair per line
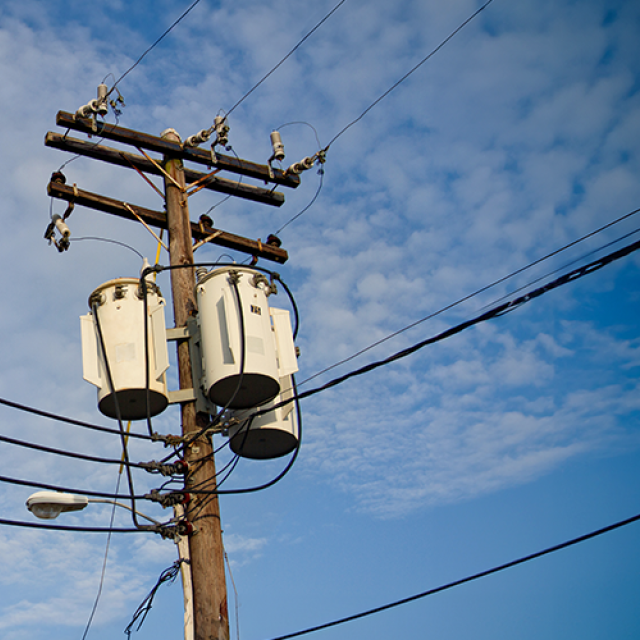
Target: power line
x,y
104,562
255,86
564,266
69,454
73,421
406,75
62,527
477,292
373,104
109,240
53,487
500,310
315,197
471,578
139,60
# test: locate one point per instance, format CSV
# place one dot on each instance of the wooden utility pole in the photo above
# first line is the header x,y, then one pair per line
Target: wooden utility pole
x,y
211,619
206,551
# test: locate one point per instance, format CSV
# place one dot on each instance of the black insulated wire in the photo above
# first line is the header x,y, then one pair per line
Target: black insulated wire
x,y
62,527
72,421
54,487
471,578
315,197
71,454
500,310
486,288
116,404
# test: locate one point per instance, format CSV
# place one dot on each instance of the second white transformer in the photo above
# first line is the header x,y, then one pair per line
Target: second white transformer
x,y
260,352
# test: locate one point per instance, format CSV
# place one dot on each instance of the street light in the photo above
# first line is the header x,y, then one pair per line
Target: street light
x,y
50,504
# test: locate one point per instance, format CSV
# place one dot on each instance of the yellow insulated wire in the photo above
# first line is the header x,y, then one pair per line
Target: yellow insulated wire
x,y
158,254
126,442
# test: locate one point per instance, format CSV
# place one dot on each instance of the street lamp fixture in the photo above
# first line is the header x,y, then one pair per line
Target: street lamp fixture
x,y
50,504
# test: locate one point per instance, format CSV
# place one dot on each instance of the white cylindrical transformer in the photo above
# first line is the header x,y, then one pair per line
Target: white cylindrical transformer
x,y
119,310
271,435
220,318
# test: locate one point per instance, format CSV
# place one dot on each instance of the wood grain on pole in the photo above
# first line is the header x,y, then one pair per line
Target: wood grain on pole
x,y
207,553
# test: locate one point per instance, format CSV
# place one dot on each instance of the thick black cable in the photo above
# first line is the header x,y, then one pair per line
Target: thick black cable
x,y
479,291
294,306
116,404
194,515
255,86
209,480
62,527
147,364
59,418
55,487
406,75
492,313
69,454
563,267
139,60
471,578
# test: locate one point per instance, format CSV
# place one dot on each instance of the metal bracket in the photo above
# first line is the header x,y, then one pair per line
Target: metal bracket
x,y
191,332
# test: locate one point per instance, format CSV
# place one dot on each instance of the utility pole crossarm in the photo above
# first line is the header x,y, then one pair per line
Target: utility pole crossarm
x,y
124,159
191,154
158,219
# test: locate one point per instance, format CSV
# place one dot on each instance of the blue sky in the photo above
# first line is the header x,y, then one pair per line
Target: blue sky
x,y
518,137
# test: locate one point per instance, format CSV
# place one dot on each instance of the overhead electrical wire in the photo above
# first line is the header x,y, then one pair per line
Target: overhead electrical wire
x,y
315,197
380,98
109,240
500,310
62,527
477,292
563,267
406,75
155,44
104,561
310,33
59,418
70,454
471,578
167,576
54,487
